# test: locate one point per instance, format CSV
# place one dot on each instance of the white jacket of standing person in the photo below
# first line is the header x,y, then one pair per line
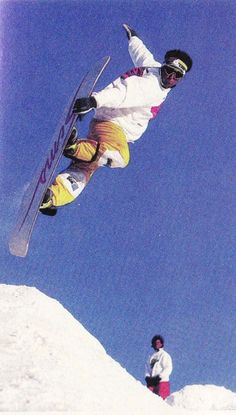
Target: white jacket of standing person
x,y
159,364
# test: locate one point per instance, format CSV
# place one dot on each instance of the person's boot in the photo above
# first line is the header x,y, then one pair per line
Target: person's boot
x,y
71,145
47,207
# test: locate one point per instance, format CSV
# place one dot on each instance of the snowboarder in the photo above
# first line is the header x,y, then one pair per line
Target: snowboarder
x,y
159,368
122,112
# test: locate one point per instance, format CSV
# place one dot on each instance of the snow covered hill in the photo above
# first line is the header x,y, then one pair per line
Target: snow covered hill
x,y
204,397
50,363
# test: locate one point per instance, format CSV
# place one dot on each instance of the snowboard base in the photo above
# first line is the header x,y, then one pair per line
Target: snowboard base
x,y
32,199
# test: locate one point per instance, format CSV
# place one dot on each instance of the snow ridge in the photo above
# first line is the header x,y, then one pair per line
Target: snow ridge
x,y
202,397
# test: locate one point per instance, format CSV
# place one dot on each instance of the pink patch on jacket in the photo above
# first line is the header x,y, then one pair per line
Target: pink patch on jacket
x,y
138,71
155,110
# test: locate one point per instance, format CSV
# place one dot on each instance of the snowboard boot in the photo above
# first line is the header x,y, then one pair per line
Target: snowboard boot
x,y
71,145
47,207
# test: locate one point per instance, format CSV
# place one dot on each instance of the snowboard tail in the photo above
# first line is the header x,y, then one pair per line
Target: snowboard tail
x,y
33,196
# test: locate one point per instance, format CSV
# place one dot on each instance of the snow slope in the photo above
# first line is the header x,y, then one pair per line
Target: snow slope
x,y
203,397
49,363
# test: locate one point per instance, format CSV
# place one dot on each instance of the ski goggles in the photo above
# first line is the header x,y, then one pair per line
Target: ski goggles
x,y
170,69
171,75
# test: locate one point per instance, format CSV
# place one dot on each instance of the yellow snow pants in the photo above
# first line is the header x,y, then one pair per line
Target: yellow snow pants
x,y
106,145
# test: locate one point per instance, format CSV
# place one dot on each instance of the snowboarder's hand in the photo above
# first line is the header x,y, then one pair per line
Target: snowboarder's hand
x,y
129,31
84,105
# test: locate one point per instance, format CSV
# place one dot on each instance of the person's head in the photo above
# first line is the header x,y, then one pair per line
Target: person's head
x,y
157,342
174,68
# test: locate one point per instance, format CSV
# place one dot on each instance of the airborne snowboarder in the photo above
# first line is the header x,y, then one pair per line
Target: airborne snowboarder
x,y
122,112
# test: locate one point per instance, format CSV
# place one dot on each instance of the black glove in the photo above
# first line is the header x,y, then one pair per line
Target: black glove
x,y
84,105
152,381
129,32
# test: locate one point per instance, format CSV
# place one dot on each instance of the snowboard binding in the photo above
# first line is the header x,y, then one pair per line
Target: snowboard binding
x,y
71,145
47,207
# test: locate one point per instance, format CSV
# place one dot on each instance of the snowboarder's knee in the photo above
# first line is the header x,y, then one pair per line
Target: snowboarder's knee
x,y
113,159
67,187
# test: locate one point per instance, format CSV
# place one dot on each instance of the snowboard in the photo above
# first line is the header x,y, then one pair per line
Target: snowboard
x,y
33,196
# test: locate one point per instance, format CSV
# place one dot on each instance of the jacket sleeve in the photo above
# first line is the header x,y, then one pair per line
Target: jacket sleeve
x,y
140,54
129,93
148,370
166,367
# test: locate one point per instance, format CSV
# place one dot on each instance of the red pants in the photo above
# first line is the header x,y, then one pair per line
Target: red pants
x,y
162,389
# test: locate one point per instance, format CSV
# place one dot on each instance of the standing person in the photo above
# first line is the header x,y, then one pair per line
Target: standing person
x,y
159,368
123,111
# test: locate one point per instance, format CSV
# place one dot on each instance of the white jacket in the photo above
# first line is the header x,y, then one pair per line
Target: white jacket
x,y
159,363
132,101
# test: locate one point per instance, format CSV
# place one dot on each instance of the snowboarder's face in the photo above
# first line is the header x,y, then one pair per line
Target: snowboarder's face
x,y
170,76
158,344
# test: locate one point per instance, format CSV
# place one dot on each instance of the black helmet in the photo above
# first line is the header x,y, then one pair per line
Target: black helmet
x,y
155,338
180,57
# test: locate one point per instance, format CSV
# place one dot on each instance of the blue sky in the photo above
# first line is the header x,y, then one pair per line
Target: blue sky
x,y
150,248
